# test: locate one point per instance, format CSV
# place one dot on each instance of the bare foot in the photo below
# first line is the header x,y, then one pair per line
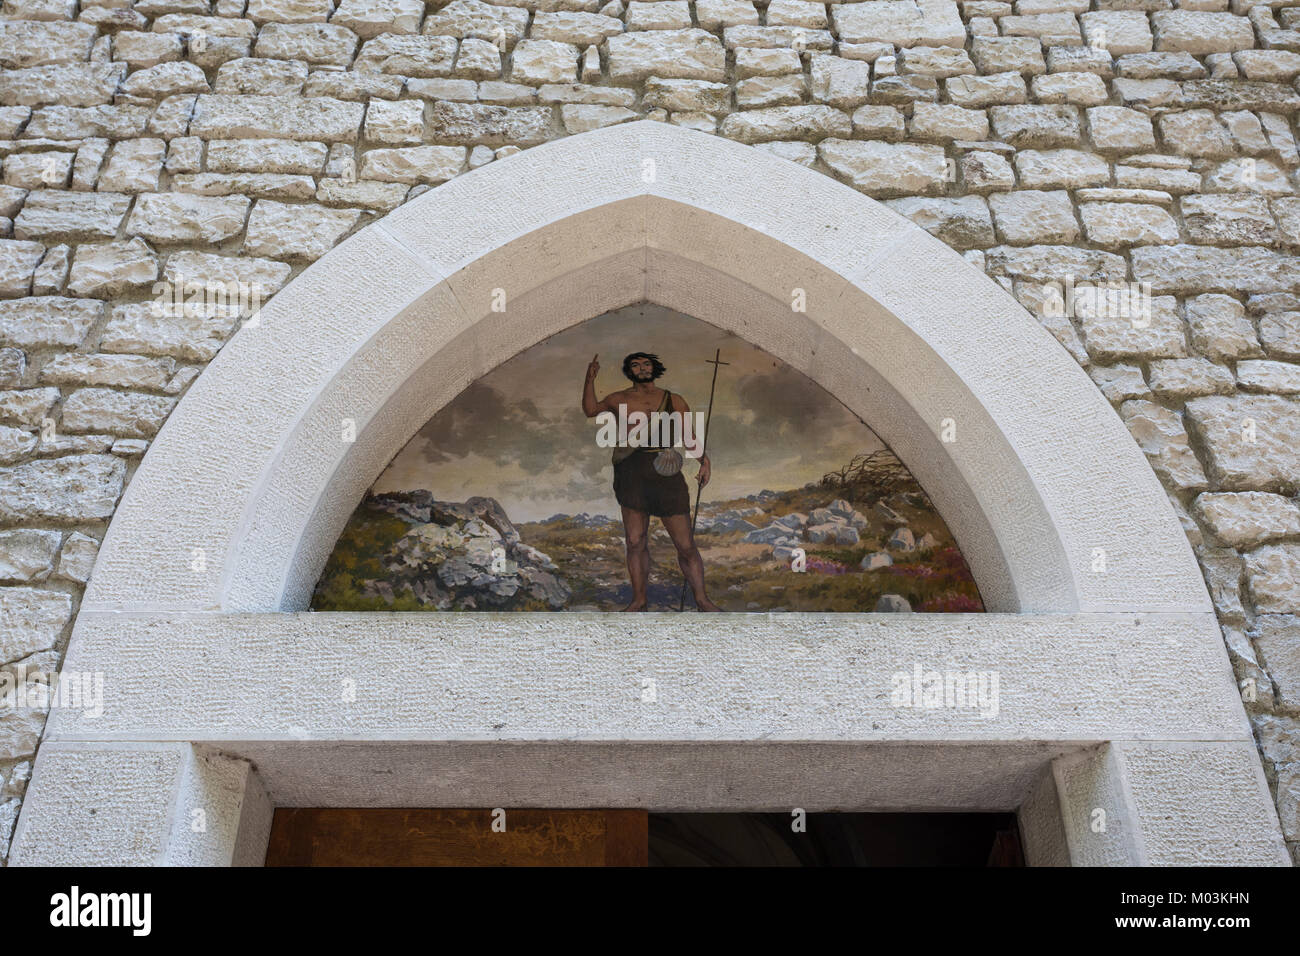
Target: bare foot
x,y
706,605
636,605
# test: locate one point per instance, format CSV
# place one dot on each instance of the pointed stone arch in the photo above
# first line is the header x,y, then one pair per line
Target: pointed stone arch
x,y
256,472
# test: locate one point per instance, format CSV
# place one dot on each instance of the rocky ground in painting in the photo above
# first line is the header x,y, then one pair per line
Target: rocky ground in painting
x,y
409,551
870,540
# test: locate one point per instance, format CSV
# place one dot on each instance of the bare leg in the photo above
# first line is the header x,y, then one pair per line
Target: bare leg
x,y
688,558
635,526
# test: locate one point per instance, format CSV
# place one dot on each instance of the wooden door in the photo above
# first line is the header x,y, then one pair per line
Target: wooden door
x,y
444,837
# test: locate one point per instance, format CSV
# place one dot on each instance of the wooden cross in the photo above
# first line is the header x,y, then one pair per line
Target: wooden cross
x,y
704,447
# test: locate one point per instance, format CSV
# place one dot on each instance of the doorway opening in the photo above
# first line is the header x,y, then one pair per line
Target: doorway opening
x,y
497,837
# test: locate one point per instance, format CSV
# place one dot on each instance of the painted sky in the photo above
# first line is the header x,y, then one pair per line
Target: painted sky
x,y
519,435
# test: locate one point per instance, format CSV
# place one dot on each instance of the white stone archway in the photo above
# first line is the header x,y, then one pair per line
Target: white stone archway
x,y
222,694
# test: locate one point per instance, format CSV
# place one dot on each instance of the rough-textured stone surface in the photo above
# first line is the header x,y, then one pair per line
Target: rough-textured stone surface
x,y
1250,441
73,488
886,169
1246,518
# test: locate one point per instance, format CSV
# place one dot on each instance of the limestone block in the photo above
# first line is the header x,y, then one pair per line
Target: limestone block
x,y
122,371
369,18
759,62
786,122
1275,66
1027,216
1247,518
191,335
797,13
106,269
18,262
1184,268
713,14
181,217
1170,66
1046,263
886,169
1159,432
961,223
43,170
15,444
321,43
1250,440
544,61
943,122
938,61
27,554
1113,334
1040,127
1022,55
582,117
395,123
1228,219
982,170
1220,329
260,77
65,84
42,321
485,21
165,79
1273,579
106,410
1176,380
841,83
1123,224
1117,31
1200,32
1060,168
1195,133
266,155
1050,28
470,124
879,122
762,91
77,559
139,49
420,164
697,96
901,22
27,43
134,166
423,56
1120,129
70,122
1278,638
1082,89
50,214
583,29
27,406
980,91
672,54
72,488
219,116
658,15
280,231
481,60
1258,375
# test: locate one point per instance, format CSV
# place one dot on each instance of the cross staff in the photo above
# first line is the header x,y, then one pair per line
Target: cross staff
x,y
704,448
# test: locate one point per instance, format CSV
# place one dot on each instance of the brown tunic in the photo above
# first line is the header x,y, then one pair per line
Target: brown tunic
x,y
638,486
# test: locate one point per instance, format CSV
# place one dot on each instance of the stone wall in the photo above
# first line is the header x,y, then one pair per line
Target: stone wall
x,y
1055,142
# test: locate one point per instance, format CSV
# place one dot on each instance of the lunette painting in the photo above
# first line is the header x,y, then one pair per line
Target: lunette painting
x,y
569,479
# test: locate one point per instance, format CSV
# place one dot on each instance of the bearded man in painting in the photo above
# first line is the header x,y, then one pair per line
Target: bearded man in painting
x,y
647,479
